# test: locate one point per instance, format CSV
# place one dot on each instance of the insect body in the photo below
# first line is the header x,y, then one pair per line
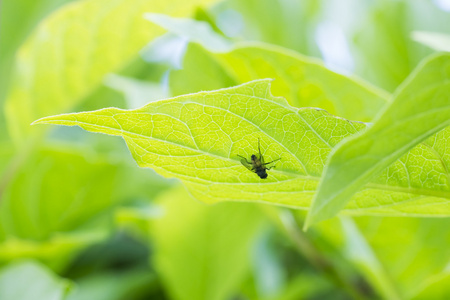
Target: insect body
x,y
257,164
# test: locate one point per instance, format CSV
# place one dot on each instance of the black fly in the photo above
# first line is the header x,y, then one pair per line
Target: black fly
x,y
257,164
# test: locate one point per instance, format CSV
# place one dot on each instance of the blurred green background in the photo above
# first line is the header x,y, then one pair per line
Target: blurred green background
x,y
79,220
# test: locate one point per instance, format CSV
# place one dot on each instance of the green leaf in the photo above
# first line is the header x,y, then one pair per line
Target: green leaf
x,y
114,285
59,190
420,108
303,81
29,280
68,55
55,252
203,252
197,138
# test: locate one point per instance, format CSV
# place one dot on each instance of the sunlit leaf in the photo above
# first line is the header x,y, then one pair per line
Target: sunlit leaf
x,y
197,138
420,108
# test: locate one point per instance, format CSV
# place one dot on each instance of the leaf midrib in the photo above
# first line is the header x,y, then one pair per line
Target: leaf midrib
x,y
434,193
409,190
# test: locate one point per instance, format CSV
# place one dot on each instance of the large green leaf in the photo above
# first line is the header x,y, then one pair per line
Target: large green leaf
x,y
420,108
68,55
303,81
197,138
29,280
203,252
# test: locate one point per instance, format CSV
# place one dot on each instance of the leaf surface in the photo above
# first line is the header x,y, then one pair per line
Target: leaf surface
x,y
421,107
197,138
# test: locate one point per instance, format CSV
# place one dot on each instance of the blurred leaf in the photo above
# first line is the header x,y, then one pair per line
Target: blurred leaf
x,y
306,286
412,253
287,23
203,252
68,55
438,288
268,272
196,31
59,191
422,99
29,280
400,257
385,52
197,138
361,254
435,40
29,12
303,81
56,252
386,66
114,286
137,220
201,71
137,92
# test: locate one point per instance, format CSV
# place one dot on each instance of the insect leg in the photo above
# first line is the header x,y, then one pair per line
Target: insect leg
x,y
271,161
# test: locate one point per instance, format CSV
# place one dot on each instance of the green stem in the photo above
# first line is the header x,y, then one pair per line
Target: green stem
x,y
320,262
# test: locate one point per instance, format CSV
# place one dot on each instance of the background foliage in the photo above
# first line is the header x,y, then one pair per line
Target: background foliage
x,y
78,218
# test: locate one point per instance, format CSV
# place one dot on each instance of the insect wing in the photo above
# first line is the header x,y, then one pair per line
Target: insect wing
x,y
246,164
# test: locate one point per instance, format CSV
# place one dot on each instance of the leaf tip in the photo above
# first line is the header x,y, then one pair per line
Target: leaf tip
x,y
38,121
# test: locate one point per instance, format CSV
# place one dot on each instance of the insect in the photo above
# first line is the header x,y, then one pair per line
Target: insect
x,y
257,163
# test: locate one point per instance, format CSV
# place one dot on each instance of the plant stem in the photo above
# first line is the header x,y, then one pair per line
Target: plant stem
x,y
320,262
